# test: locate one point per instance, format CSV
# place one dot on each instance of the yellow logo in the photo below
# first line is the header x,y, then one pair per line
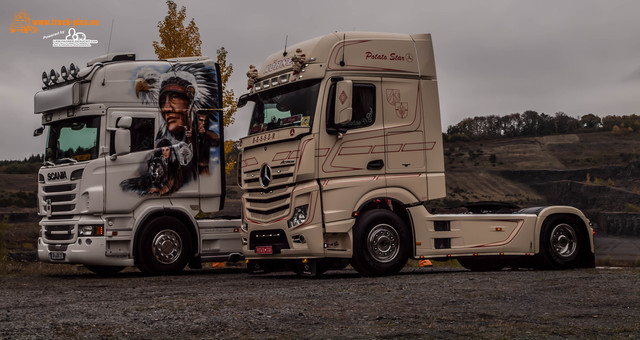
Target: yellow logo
x,y
21,23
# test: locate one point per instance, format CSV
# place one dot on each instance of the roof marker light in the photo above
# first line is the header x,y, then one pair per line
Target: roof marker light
x,y
64,73
73,70
53,76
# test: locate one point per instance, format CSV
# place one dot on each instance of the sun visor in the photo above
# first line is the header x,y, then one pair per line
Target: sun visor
x,y
58,98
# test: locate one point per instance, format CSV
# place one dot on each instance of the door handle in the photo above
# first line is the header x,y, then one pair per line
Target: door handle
x,y
375,165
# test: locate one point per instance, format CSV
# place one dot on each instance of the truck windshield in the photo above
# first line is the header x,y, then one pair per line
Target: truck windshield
x,y
290,105
73,140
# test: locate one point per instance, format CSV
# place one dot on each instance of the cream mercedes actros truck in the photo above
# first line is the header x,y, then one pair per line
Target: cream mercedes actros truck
x,y
133,166
344,153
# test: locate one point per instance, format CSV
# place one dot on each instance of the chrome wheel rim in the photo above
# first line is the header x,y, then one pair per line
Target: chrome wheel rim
x,y
383,243
564,240
167,246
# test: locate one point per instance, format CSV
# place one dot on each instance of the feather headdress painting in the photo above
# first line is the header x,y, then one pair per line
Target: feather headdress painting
x,y
187,141
149,82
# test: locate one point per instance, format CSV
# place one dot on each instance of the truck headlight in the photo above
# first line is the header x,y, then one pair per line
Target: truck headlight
x,y
299,216
91,230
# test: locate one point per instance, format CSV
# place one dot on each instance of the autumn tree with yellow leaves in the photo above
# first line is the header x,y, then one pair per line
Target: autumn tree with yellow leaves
x,y
176,41
229,105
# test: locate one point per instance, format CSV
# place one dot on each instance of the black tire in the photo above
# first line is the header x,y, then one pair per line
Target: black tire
x,y
560,243
104,270
339,264
481,264
164,247
381,244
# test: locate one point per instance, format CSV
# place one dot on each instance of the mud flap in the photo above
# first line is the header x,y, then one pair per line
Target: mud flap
x,y
307,267
256,267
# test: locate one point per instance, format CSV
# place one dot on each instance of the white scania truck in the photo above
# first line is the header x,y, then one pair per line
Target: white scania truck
x,y
134,166
343,155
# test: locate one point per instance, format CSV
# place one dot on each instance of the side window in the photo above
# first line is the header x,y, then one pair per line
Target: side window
x,y
142,135
364,106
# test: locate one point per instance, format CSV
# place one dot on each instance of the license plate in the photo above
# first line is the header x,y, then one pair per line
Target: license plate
x,y
56,255
264,250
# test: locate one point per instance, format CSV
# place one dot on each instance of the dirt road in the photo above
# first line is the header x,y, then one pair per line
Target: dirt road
x,y
437,302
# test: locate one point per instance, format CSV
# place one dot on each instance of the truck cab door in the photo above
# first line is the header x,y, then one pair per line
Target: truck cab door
x,y
353,153
131,165
405,156
209,158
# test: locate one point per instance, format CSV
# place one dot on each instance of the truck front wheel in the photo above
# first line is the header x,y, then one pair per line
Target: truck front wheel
x,y
164,247
381,244
560,243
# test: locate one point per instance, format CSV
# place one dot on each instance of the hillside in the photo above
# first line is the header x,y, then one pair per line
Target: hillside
x,y
597,172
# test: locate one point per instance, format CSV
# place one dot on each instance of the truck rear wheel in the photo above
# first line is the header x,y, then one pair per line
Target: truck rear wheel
x,y
380,244
560,243
164,247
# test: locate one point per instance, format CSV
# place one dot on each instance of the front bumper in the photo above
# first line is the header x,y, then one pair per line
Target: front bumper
x,y
86,250
60,242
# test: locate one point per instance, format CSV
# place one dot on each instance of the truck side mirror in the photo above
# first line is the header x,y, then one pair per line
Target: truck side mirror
x,y
242,101
344,98
122,136
124,122
38,132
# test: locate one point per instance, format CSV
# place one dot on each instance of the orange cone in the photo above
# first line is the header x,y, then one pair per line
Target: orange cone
x,y
425,263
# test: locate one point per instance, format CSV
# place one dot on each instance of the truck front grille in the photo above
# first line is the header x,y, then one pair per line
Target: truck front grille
x,y
60,198
268,206
58,232
62,208
63,198
273,202
58,188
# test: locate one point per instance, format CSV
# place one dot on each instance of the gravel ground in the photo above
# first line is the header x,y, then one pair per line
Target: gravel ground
x,y
436,302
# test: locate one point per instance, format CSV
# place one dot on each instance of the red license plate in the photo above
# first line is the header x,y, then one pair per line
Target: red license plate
x,y
264,250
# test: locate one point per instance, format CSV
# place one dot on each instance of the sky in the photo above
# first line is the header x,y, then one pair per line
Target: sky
x,y
492,57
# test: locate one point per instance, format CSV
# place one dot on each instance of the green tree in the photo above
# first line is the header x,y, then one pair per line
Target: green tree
x,y
176,40
590,121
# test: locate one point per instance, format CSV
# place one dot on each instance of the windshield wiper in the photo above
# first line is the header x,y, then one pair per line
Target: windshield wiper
x,y
49,163
67,160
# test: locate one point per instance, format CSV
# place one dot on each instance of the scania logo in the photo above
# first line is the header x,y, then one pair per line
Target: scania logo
x,y
54,176
265,176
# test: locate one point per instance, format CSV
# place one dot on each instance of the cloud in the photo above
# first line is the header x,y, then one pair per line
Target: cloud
x,y
492,57
633,76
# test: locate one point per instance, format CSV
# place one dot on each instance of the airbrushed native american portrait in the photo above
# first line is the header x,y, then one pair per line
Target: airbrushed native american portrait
x,y
188,139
